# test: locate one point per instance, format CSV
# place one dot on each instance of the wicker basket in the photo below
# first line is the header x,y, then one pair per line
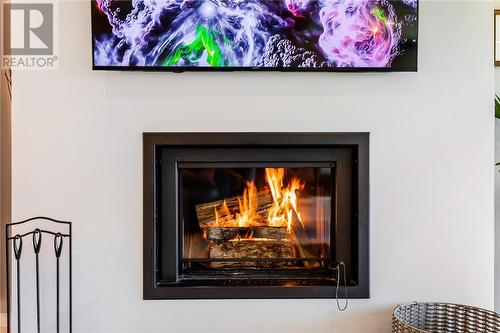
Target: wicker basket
x,y
444,317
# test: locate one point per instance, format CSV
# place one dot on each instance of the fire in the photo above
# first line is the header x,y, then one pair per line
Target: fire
x,y
223,217
248,217
282,211
285,204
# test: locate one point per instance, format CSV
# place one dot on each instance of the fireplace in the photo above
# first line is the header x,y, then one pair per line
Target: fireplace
x,y
255,215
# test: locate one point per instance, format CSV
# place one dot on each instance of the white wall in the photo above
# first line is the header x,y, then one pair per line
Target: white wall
x,y
497,192
77,155
5,178
497,200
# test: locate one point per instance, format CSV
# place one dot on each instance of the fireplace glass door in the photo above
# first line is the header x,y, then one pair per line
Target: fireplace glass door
x,y
246,215
249,222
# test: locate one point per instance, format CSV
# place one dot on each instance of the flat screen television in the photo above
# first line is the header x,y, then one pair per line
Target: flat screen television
x,y
283,35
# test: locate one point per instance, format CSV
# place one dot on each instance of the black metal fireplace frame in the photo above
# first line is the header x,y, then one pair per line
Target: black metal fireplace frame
x,y
156,288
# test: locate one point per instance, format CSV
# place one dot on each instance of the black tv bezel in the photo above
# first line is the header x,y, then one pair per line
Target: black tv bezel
x,y
176,69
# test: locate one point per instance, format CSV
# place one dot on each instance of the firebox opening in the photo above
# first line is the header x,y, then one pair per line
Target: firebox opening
x,y
270,220
255,215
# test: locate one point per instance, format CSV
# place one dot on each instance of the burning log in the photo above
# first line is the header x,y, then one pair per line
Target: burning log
x,y
256,226
269,232
227,233
224,233
302,241
250,248
206,212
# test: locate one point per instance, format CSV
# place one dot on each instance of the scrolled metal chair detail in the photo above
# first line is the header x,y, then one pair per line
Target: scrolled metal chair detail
x,y
14,252
443,318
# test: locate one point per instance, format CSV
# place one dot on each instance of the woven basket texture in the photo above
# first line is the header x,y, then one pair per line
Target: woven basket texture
x,y
444,318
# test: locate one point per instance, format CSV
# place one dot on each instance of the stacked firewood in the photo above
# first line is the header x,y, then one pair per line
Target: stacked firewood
x,y
228,240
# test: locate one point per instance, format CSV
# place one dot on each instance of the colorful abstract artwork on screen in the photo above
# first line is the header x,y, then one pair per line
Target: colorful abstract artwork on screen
x,y
253,34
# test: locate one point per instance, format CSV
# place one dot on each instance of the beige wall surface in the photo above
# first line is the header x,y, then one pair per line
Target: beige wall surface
x,y
5,167
497,192
5,171
5,181
77,155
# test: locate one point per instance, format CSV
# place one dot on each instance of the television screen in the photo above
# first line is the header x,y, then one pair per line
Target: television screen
x,y
324,35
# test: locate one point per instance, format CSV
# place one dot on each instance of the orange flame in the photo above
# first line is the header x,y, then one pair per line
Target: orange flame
x,y
223,217
285,198
247,215
280,214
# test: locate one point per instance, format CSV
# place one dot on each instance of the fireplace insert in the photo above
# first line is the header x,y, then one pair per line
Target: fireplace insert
x,y
255,215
